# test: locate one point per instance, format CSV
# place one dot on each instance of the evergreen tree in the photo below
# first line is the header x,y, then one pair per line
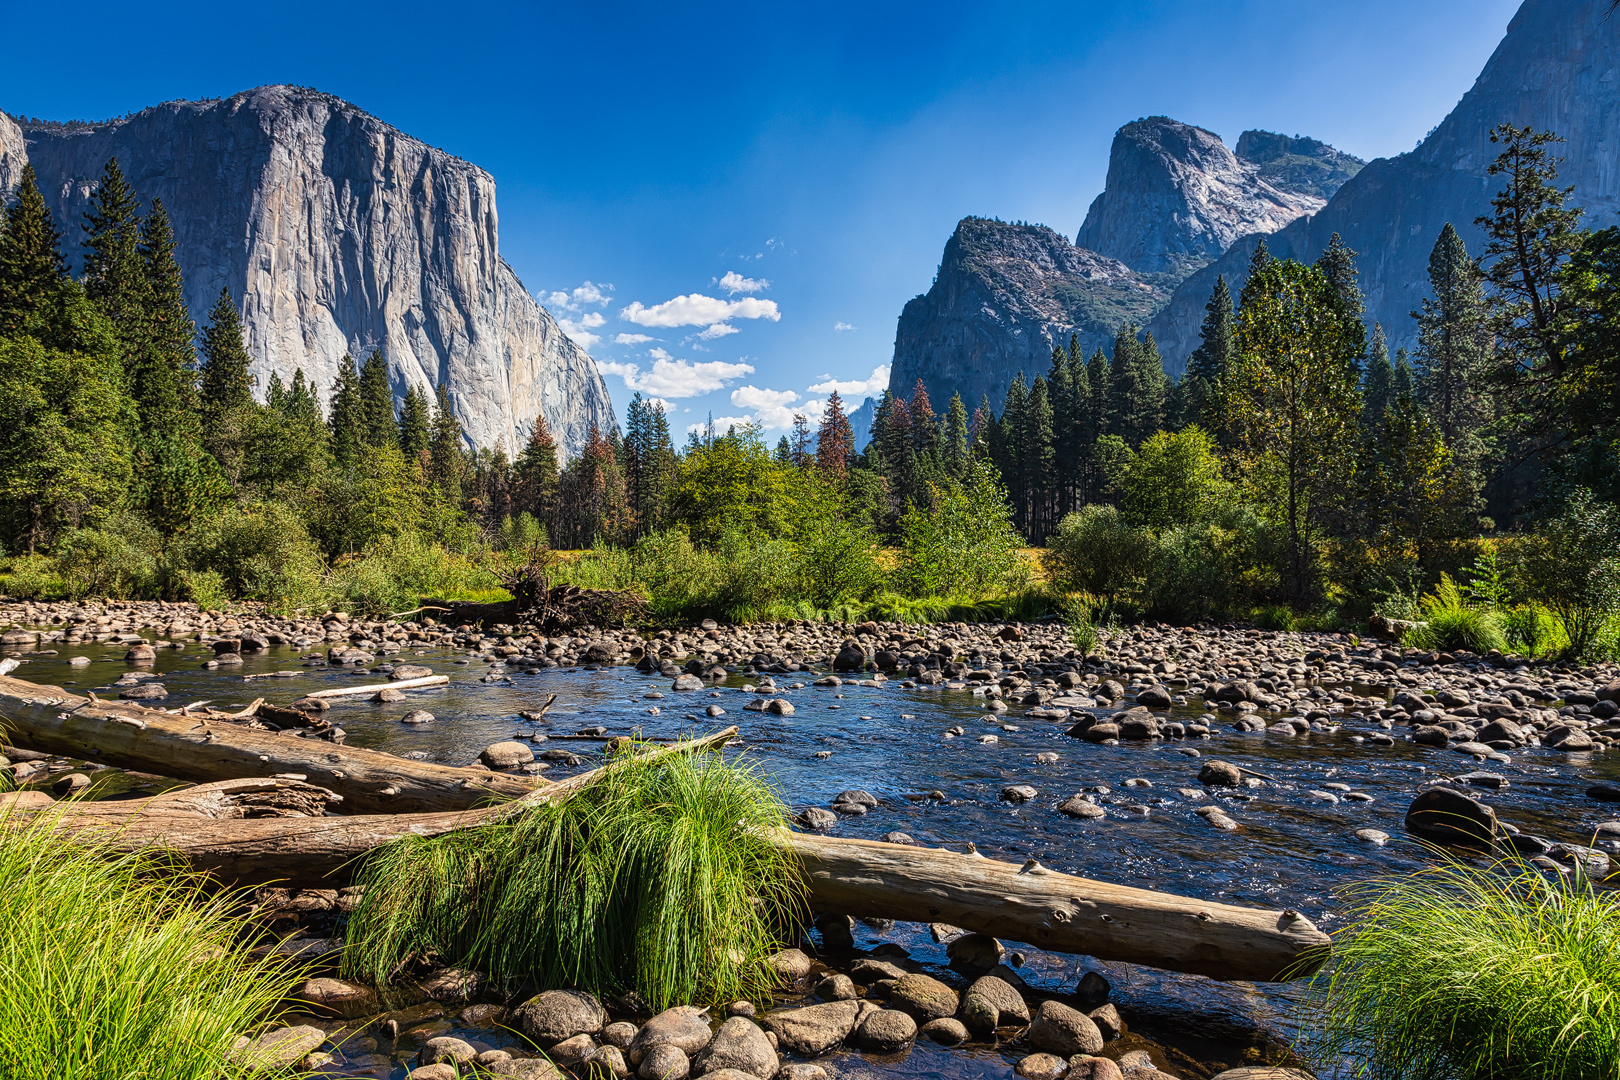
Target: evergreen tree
x,y
537,471
649,463
1377,383
956,438
415,436
1137,387
1404,385
1454,345
446,459
1098,377
1338,262
801,450
347,415
114,275
1065,424
1259,260
835,441
591,498
377,396
1007,442
1216,350
1036,455
31,266
285,449
226,385
784,452
165,384
924,426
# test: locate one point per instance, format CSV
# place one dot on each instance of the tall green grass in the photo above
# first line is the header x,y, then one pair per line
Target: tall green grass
x,y
657,878
1463,973
1456,623
116,965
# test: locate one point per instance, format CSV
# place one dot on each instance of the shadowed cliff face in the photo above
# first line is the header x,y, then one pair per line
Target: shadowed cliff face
x,y
338,233
1557,68
1005,295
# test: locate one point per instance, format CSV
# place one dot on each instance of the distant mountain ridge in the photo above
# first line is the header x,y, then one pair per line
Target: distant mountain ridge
x,y
336,233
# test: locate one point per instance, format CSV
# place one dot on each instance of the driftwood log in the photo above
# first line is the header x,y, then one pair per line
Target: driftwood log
x,y
53,721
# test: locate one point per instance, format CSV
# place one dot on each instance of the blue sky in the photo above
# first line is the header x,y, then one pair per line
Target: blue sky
x,y
730,203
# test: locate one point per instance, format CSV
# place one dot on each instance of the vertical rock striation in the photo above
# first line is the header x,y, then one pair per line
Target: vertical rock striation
x,y
338,233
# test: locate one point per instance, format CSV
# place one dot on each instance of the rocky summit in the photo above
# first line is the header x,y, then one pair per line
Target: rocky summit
x,y
336,233
1554,71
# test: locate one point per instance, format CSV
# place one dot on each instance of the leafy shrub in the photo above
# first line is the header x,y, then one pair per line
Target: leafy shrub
x,y
1175,479
262,552
118,560
1572,565
837,561
965,544
1532,630
1097,551
31,577
521,533
1454,623
205,588
1274,617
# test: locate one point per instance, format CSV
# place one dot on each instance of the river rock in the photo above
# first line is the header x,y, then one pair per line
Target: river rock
x,y
1041,1067
1018,793
387,696
604,1058
435,1072
1154,697
145,692
814,817
779,707
885,1031
790,965
1101,732
665,1062
802,1070
417,716
685,1027
1108,1021
556,1015
974,954
814,1029
990,1003
571,1052
687,682
523,1069
337,998
836,987
1086,1067
280,1049
1059,1029
1264,1072
923,997
445,1050
453,986
409,671
1078,806
1445,816
739,1045
141,654
505,755
1220,774
946,1031
1137,724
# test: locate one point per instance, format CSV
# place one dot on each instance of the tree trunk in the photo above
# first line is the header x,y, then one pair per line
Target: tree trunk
x,y
52,721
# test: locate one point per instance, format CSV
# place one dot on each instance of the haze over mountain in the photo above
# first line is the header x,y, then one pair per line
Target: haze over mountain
x,y
336,233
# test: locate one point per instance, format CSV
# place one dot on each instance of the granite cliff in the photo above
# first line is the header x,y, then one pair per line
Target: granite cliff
x,y
337,233
1557,68
1176,198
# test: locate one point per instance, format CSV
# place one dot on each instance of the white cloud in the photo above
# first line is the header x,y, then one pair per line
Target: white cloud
x,y
855,388
840,326
735,283
718,330
770,407
696,309
631,339
664,405
578,333
671,378
721,423
587,295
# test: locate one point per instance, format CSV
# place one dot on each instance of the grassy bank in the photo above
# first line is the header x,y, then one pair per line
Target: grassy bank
x,y
1463,973
118,965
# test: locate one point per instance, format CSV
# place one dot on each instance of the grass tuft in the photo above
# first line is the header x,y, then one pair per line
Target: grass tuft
x,y
657,878
118,965
1462,973
1454,623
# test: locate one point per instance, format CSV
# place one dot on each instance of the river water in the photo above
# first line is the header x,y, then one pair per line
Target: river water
x,y
1294,848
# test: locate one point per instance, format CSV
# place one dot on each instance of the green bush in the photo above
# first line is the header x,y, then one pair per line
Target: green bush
x,y
118,965
1532,630
1453,623
1175,479
838,561
1097,551
31,577
118,560
1463,973
964,544
1572,565
261,552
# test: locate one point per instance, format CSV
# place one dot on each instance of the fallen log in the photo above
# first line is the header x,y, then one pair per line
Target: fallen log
x,y
1055,911
1041,907
372,688
51,720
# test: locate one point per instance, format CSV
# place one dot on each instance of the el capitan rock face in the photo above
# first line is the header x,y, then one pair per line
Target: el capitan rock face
x,y
337,233
1005,295
1557,69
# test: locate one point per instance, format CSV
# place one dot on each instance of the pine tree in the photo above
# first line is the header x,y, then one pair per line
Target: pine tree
x,y
537,471
648,463
1137,387
835,441
347,415
446,459
1098,377
1216,350
415,436
31,266
114,276
1036,455
377,396
784,452
165,387
1338,262
800,452
1259,260
1377,383
286,444
1065,426
956,438
924,426
226,385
